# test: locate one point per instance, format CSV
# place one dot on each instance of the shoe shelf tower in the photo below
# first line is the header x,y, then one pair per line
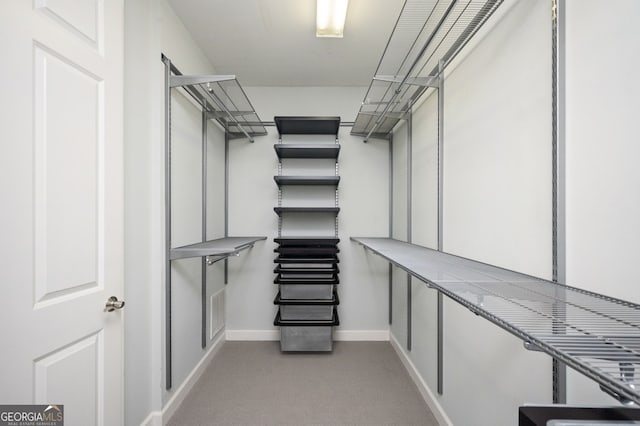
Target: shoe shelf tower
x,y
307,252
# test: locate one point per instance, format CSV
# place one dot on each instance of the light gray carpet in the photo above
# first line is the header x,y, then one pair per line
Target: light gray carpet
x,y
253,383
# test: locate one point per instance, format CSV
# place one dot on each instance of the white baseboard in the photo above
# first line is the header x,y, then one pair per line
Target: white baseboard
x,y
361,335
252,335
160,418
153,419
427,395
338,335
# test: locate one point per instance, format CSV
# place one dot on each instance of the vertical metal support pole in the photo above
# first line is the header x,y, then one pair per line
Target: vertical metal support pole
x,y
167,219
337,172
558,9
280,190
390,225
203,276
440,156
226,196
440,302
409,218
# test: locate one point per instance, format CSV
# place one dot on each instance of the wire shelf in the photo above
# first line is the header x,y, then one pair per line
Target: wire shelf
x,y
427,33
225,101
219,247
597,335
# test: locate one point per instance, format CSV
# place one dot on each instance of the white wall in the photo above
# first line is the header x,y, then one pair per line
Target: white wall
x,y
143,250
497,209
424,194
603,201
497,192
399,230
363,193
151,29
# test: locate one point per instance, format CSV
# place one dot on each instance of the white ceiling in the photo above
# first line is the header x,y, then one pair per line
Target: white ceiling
x,y
273,42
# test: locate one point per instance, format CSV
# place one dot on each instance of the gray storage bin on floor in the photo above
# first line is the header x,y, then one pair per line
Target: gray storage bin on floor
x,y
306,338
306,291
306,312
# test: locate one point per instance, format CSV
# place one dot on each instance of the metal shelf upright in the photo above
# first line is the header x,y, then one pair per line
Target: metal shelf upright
x,y
222,99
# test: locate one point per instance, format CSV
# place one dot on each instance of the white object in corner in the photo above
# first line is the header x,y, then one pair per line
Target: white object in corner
x,y
216,313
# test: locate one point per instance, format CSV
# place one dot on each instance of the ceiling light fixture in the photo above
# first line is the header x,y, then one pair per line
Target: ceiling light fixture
x,y
330,17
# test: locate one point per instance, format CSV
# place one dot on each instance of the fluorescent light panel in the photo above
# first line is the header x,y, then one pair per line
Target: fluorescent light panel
x,y
330,17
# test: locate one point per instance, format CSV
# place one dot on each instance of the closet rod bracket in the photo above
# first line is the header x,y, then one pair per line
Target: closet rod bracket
x,y
213,259
530,346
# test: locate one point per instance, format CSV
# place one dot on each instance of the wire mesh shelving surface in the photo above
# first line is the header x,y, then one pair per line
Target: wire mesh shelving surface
x,y
427,33
597,335
225,101
217,247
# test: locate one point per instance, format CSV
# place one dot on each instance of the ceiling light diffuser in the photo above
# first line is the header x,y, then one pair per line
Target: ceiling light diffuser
x,y
330,17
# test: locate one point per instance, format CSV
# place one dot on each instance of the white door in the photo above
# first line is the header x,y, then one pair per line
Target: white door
x,y
61,225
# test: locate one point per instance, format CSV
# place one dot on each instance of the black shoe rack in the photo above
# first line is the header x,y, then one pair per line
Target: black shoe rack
x,y
306,270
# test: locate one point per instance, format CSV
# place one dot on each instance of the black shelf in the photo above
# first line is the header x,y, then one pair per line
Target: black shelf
x,y
310,260
306,251
334,301
301,323
307,180
307,125
307,150
301,279
280,210
307,241
306,270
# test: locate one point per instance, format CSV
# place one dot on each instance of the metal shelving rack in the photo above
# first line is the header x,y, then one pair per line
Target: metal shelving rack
x,y
426,38
597,335
222,99
307,270
307,180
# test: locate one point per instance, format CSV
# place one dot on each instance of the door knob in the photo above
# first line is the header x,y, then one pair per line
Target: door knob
x,y
113,303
